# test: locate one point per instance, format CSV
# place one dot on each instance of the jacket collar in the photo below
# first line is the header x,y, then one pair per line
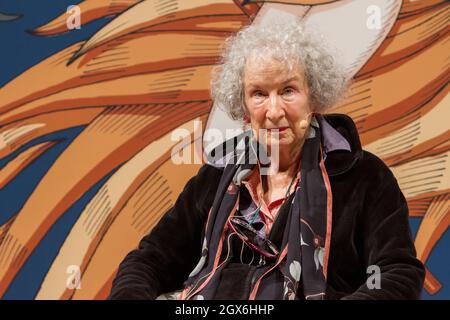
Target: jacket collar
x,y
341,159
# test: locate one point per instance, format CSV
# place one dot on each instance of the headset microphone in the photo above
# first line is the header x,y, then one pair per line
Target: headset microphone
x,y
304,123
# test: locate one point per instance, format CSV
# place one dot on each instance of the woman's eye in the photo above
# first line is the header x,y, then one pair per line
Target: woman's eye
x,y
288,91
259,96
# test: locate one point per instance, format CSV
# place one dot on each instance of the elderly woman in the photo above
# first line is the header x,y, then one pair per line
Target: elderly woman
x,y
295,209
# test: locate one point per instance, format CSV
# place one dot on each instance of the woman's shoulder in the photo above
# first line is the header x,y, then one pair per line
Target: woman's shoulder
x,y
207,177
208,174
372,164
370,159
376,174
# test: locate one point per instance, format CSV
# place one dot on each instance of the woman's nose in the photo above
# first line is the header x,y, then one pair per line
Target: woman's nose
x,y
275,109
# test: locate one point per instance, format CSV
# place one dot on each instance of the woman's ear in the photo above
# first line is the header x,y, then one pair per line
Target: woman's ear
x,y
246,123
246,117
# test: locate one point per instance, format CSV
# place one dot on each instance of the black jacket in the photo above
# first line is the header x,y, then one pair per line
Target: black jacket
x,y
370,226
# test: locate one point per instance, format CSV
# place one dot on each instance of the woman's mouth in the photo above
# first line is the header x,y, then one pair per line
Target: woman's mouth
x,y
279,129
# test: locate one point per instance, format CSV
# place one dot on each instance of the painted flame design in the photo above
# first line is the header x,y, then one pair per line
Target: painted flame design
x,y
145,74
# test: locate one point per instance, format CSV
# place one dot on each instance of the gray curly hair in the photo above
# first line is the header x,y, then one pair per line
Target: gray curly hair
x,y
288,42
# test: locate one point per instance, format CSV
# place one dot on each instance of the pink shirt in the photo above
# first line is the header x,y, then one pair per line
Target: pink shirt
x,y
268,211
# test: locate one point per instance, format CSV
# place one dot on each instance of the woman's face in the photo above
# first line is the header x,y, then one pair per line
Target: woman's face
x,y
276,98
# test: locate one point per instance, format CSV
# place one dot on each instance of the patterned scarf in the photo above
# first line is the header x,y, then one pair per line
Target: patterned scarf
x,y
302,262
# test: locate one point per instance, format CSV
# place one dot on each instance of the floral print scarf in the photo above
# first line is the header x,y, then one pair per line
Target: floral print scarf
x,y
302,262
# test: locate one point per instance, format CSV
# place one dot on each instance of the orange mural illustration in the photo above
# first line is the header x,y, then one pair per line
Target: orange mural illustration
x,y
146,73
